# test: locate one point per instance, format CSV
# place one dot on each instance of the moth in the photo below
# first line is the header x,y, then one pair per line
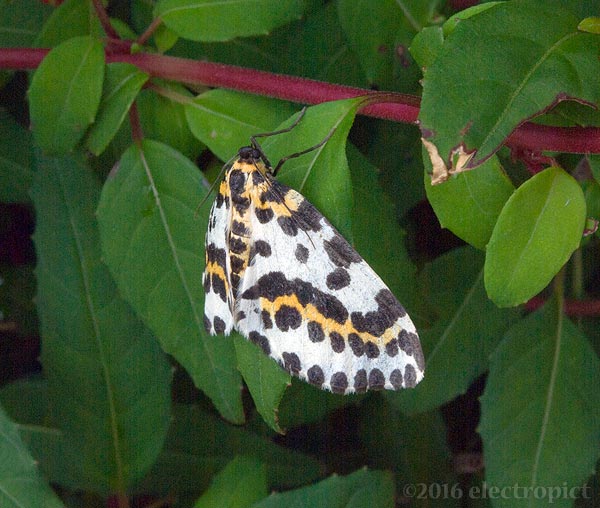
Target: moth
x,y
281,275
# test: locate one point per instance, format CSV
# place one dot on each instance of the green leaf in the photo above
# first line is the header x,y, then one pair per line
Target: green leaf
x,y
457,346
212,20
199,445
20,22
154,248
594,162
122,83
395,442
538,229
65,93
28,402
164,120
591,25
427,45
266,380
529,56
379,33
224,120
377,236
72,18
242,482
469,203
20,481
540,416
16,155
321,175
108,379
454,20
304,404
362,488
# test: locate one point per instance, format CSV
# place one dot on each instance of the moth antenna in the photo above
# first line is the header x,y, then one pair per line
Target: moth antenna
x,y
308,150
216,181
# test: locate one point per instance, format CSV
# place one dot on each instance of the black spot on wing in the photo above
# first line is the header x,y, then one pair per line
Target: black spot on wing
x,y
339,382
307,217
315,376
219,325
377,322
391,348
338,279
337,342
356,344
207,324
264,215
340,252
288,225
287,317
360,381
266,320
237,245
315,332
237,264
291,363
239,228
276,284
237,183
409,343
261,341
410,376
396,378
376,379
263,248
371,350
301,253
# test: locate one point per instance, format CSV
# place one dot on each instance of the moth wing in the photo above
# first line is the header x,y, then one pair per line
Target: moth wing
x,y
310,301
218,319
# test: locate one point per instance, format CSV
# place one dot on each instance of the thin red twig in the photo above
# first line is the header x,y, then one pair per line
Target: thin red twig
x,y
104,19
580,308
308,91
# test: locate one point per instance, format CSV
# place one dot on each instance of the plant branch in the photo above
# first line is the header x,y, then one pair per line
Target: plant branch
x,y
104,19
528,136
582,308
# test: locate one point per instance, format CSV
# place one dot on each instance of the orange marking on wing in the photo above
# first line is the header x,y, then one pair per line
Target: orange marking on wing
x,y
311,313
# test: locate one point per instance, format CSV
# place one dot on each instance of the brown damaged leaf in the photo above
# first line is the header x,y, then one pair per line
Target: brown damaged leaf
x,y
441,172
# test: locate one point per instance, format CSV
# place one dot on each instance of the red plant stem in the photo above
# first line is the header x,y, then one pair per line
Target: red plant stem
x,y
104,19
581,308
527,136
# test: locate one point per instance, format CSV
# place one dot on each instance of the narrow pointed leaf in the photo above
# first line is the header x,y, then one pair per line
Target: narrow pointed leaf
x,y
266,380
537,230
540,420
154,247
108,379
65,93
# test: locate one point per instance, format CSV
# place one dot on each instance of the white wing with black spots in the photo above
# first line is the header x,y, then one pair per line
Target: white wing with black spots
x,y
279,273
